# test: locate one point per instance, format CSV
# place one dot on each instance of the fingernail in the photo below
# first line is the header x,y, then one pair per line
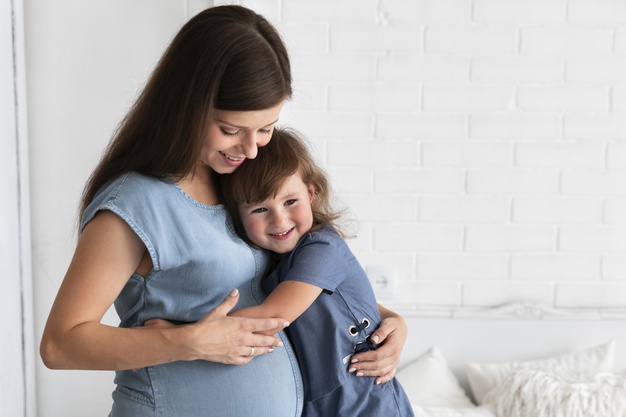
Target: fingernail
x,y
378,382
286,324
354,361
270,350
359,374
376,339
234,292
351,369
280,344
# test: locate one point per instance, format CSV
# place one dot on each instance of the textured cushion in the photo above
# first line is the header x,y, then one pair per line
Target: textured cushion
x,y
559,393
483,377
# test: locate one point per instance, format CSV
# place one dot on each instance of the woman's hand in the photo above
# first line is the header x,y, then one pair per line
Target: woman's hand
x,y
219,338
382,362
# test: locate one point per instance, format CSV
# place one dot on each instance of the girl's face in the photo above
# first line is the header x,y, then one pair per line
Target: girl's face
x,y
278,223
234,136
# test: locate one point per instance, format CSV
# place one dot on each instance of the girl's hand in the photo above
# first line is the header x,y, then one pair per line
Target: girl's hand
x,y
219,338
383,361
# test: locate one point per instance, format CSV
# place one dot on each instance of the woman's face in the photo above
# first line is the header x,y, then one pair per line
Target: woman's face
x,y
234,136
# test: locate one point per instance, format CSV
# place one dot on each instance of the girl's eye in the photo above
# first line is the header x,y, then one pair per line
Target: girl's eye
x,y
227,133
290,202
259,210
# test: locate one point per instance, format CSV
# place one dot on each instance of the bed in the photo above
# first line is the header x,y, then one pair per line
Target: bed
x,y
516,360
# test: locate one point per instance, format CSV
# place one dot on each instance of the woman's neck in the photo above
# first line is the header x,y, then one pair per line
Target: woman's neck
x,y
200,186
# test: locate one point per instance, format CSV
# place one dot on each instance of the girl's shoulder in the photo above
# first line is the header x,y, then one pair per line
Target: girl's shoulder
x,y
324,232
324,237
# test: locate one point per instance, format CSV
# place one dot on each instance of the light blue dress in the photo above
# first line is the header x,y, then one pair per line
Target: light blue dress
x,y
198,259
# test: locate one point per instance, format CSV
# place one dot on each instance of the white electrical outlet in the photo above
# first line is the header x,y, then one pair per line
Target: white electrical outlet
x,y
383,280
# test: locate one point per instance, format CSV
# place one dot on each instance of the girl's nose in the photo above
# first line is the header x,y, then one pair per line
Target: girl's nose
x,y
278,218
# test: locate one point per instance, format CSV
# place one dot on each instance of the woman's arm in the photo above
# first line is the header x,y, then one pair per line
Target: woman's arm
x,y
108,252
289,300
383,361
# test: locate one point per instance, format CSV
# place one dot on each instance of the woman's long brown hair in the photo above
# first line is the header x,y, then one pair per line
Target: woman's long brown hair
x,y
226,58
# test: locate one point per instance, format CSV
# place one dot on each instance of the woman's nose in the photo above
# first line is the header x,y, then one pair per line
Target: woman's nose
x,y
250,146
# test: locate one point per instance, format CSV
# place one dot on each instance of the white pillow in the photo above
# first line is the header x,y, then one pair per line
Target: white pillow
x,y
559,393
428,382
483,377
480,411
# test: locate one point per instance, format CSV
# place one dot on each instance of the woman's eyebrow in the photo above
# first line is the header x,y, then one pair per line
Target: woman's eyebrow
x,y
242,127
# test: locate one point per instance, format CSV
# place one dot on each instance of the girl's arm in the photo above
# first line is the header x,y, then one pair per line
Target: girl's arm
x,y
383,361
291,298
108,252
288,300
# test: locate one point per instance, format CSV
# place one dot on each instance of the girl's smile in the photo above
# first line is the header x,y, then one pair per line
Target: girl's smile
x,y
278,223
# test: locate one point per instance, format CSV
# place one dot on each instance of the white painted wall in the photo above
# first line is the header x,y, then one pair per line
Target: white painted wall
x,y
85,61
481,143
17,356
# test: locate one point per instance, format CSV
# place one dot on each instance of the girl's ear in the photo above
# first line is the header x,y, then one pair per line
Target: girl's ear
x,y
312,192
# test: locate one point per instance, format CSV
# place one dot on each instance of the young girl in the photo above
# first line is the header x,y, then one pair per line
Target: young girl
x,y
281,202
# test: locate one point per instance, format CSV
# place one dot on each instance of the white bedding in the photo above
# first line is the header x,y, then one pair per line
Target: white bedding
x,y
499,358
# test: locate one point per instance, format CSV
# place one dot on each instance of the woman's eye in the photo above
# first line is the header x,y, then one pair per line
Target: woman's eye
x,y
266,131
290,202
227,133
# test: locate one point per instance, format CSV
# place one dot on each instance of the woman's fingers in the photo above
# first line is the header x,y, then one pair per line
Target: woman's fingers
x,y
227,304
383,369
249,324
234,340
254,351
382,362
217,337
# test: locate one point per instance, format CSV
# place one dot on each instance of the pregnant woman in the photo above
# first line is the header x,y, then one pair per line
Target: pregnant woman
x,y
156,242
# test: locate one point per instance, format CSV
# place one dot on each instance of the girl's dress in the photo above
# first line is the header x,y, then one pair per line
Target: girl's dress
x,y
337,325
198,259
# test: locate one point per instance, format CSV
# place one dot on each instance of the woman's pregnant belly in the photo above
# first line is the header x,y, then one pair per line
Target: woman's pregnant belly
x,y
270,385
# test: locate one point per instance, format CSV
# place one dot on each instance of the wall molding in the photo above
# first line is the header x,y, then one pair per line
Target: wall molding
x,y
521,310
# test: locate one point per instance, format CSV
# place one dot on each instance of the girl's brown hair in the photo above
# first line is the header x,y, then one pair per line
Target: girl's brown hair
x,y
226,58
262,177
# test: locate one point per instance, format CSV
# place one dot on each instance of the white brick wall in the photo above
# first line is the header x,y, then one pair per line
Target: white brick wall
x,y
480,143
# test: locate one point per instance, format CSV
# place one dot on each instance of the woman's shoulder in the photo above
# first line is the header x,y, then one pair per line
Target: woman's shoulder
x,y
137,182
132,183
126,192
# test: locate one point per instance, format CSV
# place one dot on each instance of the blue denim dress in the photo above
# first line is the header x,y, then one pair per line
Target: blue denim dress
x,y
337,325
198,260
